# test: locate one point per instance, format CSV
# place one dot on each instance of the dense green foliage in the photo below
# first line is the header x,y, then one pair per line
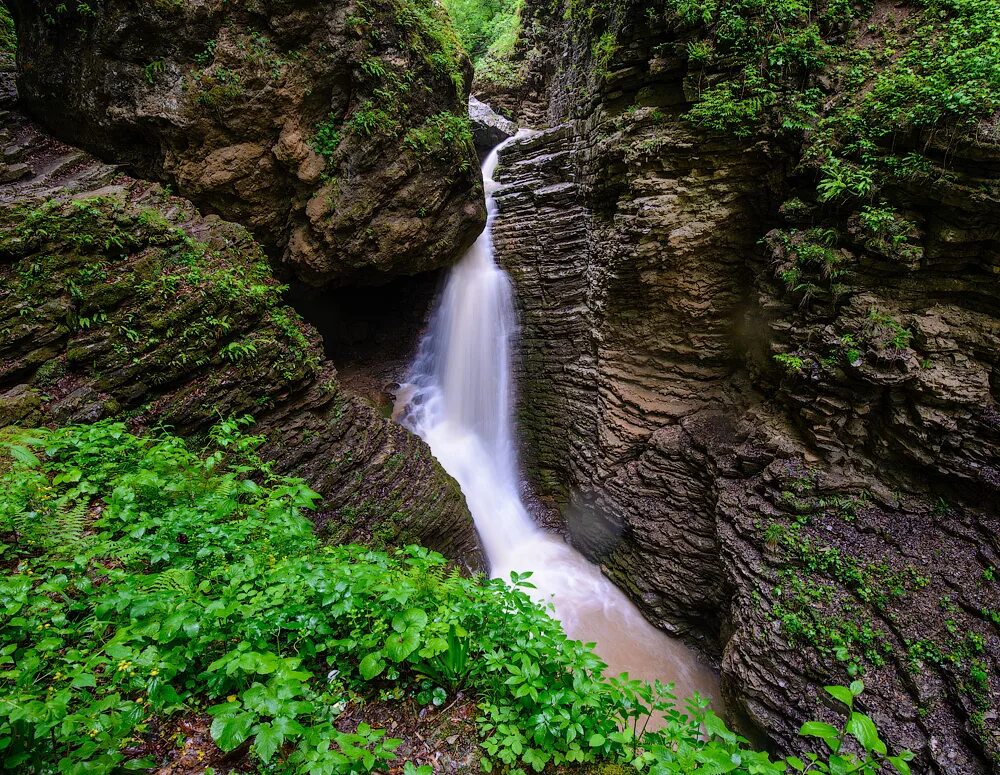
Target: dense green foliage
x,y
481,23
8,39
143,580
489,31
941,62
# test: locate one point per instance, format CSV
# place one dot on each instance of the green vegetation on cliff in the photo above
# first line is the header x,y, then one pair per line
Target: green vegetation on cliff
x,y
348,84
480,24
871,96
144,581
488,31
8,40
934,68
138,298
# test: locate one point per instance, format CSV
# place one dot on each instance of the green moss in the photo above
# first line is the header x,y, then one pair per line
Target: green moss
x,y
444,134
217,88
162,300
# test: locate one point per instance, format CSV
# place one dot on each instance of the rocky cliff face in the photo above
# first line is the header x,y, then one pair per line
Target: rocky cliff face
x,y
823,516
119,299
336,132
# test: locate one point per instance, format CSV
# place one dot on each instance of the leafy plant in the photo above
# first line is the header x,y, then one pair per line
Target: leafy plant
x,y
327,137
145,580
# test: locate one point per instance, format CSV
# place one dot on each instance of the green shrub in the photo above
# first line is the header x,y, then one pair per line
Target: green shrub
x,y
144,580
327,137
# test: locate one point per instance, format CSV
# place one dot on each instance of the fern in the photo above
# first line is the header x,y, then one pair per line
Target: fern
x,y
58,530
180,580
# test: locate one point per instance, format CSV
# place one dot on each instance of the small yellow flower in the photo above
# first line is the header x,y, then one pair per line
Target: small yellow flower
x,y
154,672
231,698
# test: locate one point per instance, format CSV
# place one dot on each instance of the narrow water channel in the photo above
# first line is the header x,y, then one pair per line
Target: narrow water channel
x,y
459,398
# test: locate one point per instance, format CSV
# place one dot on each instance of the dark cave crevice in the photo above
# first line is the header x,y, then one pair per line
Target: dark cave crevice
x,y
370,333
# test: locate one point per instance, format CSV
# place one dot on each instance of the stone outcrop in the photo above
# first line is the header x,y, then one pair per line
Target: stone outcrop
x,y
335,132
118,299
489,128
805,523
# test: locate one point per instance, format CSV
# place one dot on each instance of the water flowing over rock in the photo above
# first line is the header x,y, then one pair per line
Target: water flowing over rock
x,y
335,132
459,399
682,456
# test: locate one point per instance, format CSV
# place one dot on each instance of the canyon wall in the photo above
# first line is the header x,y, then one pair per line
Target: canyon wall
x,y
335,132
120,300
825,516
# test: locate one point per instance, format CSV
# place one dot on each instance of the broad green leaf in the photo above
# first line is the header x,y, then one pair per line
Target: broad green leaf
x,y
268,740
596,741
230,732
83,680
717,727
139,764
841,693
371,665
399,646
899,764
862,729
857,687
411,618
717,760
822,730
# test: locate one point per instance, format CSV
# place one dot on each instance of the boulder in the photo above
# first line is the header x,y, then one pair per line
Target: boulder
x,y
489,128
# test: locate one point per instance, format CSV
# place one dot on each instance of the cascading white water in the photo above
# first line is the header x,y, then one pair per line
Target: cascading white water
x,y
459,399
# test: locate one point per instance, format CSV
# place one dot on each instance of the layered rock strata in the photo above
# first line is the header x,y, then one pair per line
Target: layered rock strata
x,y
810,522
118,299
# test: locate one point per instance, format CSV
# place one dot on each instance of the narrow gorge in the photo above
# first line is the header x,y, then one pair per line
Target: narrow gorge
x,y
381,379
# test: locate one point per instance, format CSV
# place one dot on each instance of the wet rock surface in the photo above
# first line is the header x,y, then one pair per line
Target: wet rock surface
x,y
335,132
118,299
806,527
489,128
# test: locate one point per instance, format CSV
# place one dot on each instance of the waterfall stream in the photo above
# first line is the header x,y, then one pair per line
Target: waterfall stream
x,y
459,399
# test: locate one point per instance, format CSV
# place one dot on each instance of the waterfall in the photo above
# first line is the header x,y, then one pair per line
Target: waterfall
x,y
459,399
